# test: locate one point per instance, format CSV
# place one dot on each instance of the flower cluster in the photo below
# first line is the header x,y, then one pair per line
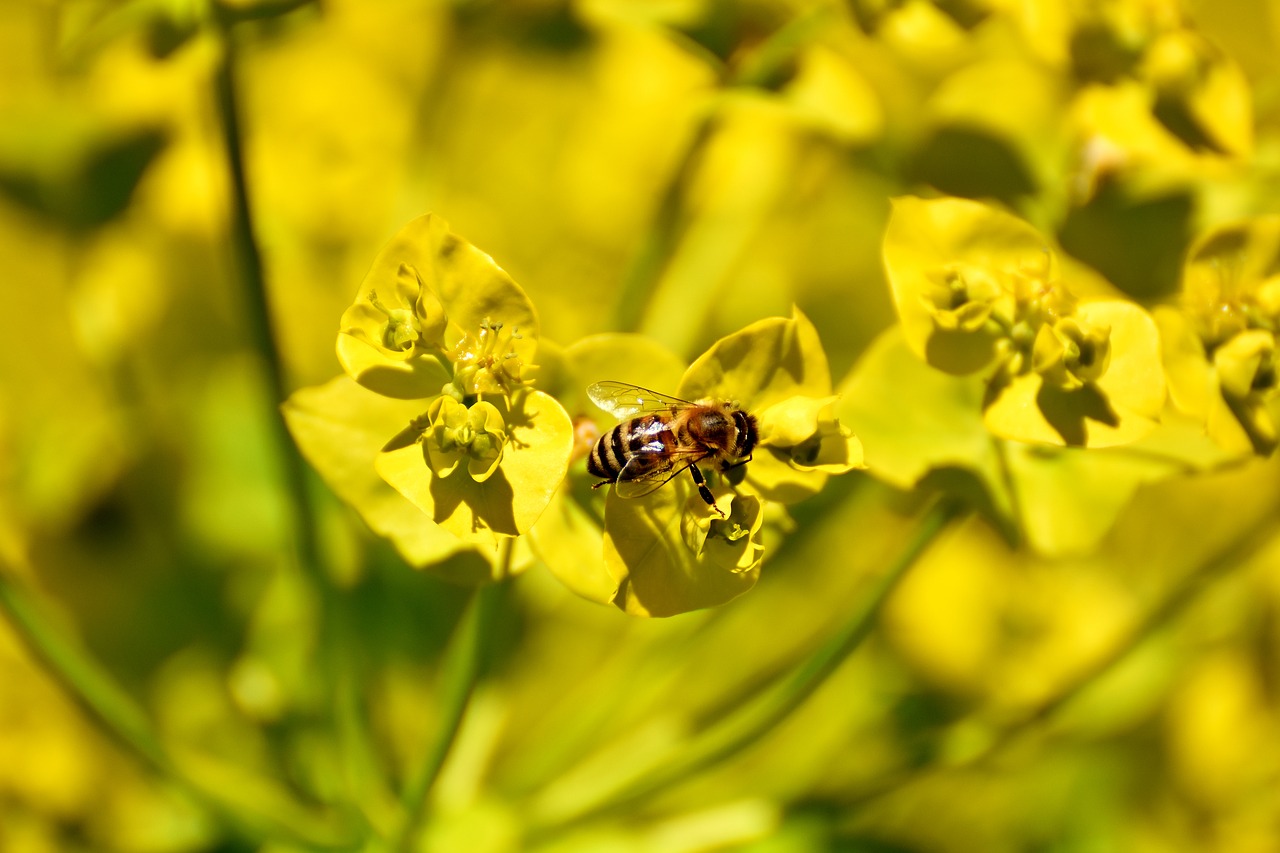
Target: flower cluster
x,y
1220,342
437,346
999,336
979,290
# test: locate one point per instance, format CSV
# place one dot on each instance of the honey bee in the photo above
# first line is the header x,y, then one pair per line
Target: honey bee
x,y
663,436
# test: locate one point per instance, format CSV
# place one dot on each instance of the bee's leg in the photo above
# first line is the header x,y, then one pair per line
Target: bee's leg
x,y
705,492
739,462
602,483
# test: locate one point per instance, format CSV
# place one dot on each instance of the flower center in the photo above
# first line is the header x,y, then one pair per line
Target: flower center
x,y
487,362
401,332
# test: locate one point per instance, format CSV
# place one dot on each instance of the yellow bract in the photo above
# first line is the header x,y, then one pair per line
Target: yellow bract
x,y
457,432
1063,406
429,299
569,537
508,497
664,558
1219,345
777,370
978,290
341,427
442,338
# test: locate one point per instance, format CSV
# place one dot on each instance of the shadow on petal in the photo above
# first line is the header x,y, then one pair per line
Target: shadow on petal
x,y
1066,411
490,503
959,353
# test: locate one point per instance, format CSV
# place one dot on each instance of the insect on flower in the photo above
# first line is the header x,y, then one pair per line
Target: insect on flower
x,y
664,435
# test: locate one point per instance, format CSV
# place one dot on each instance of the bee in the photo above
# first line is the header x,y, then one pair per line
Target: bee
x,y
663,436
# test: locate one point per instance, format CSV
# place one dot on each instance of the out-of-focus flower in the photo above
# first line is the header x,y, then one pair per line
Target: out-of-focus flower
x,y
978,290
1219,343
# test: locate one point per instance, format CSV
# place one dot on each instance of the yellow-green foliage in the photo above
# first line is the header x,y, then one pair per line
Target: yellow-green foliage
x,y
298,545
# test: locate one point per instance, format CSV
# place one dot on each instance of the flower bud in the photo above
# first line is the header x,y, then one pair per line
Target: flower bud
x,y
1247,364
455,432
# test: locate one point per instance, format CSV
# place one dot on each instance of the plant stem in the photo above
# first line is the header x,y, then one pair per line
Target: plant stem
x,y
663,234
336,641
1252,541
84,677
771,707
249,261
669,224
463,661
1231,556
120,715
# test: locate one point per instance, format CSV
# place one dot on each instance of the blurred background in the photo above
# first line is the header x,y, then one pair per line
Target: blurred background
x,y
680,169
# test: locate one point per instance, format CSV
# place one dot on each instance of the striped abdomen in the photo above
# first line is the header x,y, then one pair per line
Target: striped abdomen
x,y
654,434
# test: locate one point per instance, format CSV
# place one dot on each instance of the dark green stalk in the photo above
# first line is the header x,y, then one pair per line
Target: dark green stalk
x,y
757,718
1185,593
258,311
337,644
95,689
84,677
663,234
464,659
771,58
668,224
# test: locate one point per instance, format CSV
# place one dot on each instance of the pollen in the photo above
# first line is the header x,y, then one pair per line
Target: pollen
x,y
487,362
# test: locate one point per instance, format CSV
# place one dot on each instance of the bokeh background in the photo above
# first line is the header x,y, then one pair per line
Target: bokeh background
x,y
678,169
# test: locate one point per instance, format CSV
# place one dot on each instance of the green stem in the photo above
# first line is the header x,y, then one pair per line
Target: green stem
x,y
1233,555
258,309
662,236
83,676
757,718
1246,546
463,662
772,57
1009,481
86,680
668,225
337,642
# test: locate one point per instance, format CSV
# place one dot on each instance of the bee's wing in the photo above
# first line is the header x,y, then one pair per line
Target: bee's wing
x,y
623,400
650,467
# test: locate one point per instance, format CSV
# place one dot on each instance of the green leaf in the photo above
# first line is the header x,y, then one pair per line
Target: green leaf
x,y
1133,235
341,428
1202,95
507,503
829,93
1072,497
1003,147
